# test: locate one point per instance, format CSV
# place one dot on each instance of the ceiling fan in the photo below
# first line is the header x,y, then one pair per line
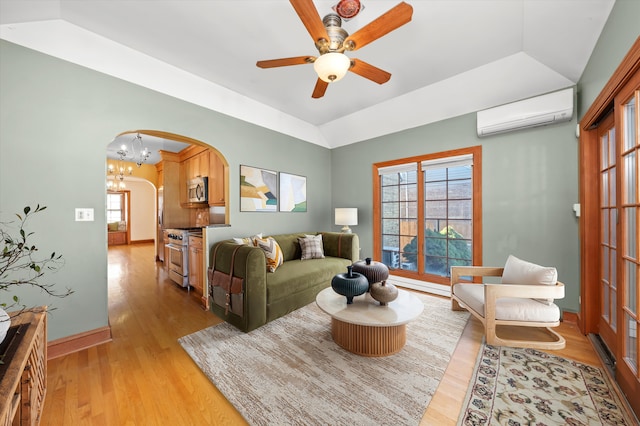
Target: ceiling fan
x,y
332,40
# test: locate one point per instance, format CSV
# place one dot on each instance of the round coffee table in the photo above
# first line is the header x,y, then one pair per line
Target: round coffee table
x,y
366,328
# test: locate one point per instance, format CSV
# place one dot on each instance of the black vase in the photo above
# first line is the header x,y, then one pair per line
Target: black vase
x,y
350,284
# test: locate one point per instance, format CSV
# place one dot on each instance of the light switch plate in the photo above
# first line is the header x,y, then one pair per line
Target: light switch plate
x,y
84,215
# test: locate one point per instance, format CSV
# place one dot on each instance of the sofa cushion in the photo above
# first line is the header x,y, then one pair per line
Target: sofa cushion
x,y
518,271
507,308
296,275
272,252
311,247
289,245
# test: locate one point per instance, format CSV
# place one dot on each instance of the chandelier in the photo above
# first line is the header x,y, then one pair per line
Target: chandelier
x,y
112,185
139,154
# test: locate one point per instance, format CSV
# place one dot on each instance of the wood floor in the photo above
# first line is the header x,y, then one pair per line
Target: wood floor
x,y
144,377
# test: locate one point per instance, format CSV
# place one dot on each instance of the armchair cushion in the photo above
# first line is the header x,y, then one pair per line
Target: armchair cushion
x,y
517,271
508,308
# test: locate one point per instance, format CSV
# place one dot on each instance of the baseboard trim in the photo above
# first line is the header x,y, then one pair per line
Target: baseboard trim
x,y
141,241
77,342
571,317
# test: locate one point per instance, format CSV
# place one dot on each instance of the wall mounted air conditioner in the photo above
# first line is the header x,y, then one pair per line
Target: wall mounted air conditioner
x,y
551,108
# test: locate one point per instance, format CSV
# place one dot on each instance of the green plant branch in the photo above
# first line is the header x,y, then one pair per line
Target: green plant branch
x,y
19,265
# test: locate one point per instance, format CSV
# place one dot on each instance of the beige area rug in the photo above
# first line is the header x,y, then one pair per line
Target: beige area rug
x,y
513,386
290,372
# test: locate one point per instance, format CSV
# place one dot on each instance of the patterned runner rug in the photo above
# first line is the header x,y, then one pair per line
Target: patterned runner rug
x,y
513,386
290,372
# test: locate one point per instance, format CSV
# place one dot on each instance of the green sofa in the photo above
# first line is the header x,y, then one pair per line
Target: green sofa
x,y
269,295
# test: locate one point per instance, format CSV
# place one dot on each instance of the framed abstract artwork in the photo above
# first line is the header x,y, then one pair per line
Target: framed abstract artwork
x,y
258,190
293,193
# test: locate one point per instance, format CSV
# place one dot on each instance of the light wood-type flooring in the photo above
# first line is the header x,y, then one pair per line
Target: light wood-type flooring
x,y
144,377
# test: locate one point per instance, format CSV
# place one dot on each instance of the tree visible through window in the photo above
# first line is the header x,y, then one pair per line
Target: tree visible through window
x,y
437,191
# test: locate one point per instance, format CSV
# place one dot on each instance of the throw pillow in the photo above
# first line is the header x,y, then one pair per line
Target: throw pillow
x,y
311,247
272,251
518,271
247,241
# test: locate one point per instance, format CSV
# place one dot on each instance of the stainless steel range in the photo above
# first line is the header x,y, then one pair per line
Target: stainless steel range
x,y
179,254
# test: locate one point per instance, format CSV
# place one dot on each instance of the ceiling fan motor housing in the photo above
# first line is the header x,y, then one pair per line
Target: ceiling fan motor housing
x,y
336,33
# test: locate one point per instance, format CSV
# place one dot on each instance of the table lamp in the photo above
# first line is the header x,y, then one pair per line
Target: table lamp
x,y
346,217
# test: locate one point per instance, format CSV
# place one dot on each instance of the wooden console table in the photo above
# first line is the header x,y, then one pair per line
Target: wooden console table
x,y
23,376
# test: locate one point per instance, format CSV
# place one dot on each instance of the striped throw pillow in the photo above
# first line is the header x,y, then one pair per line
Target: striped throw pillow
x,y
272,252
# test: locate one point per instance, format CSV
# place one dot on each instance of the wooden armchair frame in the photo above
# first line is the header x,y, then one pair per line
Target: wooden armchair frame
x,y
492,292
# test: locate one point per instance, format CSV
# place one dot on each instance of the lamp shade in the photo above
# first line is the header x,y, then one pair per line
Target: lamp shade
x,y
347,216
331,66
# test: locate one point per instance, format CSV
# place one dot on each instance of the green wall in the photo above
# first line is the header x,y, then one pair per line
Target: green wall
x,y
529,186
619,34
56,119
530,177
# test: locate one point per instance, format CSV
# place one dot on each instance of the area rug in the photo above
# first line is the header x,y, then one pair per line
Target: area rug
x,y
513,386
290,372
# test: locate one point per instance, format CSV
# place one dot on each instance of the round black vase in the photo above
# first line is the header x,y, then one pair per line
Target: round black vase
x,y
350,284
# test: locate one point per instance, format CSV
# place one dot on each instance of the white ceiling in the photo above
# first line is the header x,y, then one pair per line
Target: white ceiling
x,y
454,57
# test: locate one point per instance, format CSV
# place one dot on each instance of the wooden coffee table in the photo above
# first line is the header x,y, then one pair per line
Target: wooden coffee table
x,y
366,328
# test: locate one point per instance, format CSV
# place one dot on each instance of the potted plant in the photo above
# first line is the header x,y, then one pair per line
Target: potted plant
x,y
20,266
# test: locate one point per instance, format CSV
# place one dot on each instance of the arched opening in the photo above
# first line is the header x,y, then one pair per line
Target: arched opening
x,y
169,163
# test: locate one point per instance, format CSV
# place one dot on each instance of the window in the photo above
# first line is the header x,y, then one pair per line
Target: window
x,y
441,192
116,210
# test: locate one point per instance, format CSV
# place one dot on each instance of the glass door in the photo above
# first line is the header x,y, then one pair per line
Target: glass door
x,y
608,233
627,372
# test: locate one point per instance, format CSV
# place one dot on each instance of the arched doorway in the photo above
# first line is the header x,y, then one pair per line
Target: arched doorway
x,y
179,150
169,162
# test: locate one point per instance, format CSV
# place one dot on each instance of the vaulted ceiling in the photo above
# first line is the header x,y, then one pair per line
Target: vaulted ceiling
x,y
454,57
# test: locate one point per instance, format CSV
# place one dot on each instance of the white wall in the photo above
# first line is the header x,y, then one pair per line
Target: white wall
x,y
143,209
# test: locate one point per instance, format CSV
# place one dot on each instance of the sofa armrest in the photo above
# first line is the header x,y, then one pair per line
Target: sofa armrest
x,y
340,244
250,265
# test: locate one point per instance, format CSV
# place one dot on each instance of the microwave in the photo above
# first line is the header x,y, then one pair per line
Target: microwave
x,y
198,190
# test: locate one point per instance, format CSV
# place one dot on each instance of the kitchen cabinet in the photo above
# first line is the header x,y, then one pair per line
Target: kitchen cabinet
x,y
24,379
172,214
196,264
216,181
196,166
165,241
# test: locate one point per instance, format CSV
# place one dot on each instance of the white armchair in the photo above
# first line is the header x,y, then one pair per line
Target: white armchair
x,y
524,298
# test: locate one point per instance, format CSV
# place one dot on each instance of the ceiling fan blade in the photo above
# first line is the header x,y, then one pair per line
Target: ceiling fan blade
x,y
283,62
384,24
366,70
321,87
310,18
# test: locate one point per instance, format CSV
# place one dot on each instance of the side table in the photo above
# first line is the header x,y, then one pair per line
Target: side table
x,y
23,382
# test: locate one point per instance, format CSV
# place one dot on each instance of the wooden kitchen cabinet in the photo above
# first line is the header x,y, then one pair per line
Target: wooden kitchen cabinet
x,y
173,215
196,264
165,241
216,181
196,166
24,372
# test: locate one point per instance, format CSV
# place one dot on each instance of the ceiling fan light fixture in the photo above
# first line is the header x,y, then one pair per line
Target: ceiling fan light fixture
x,y
331,66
